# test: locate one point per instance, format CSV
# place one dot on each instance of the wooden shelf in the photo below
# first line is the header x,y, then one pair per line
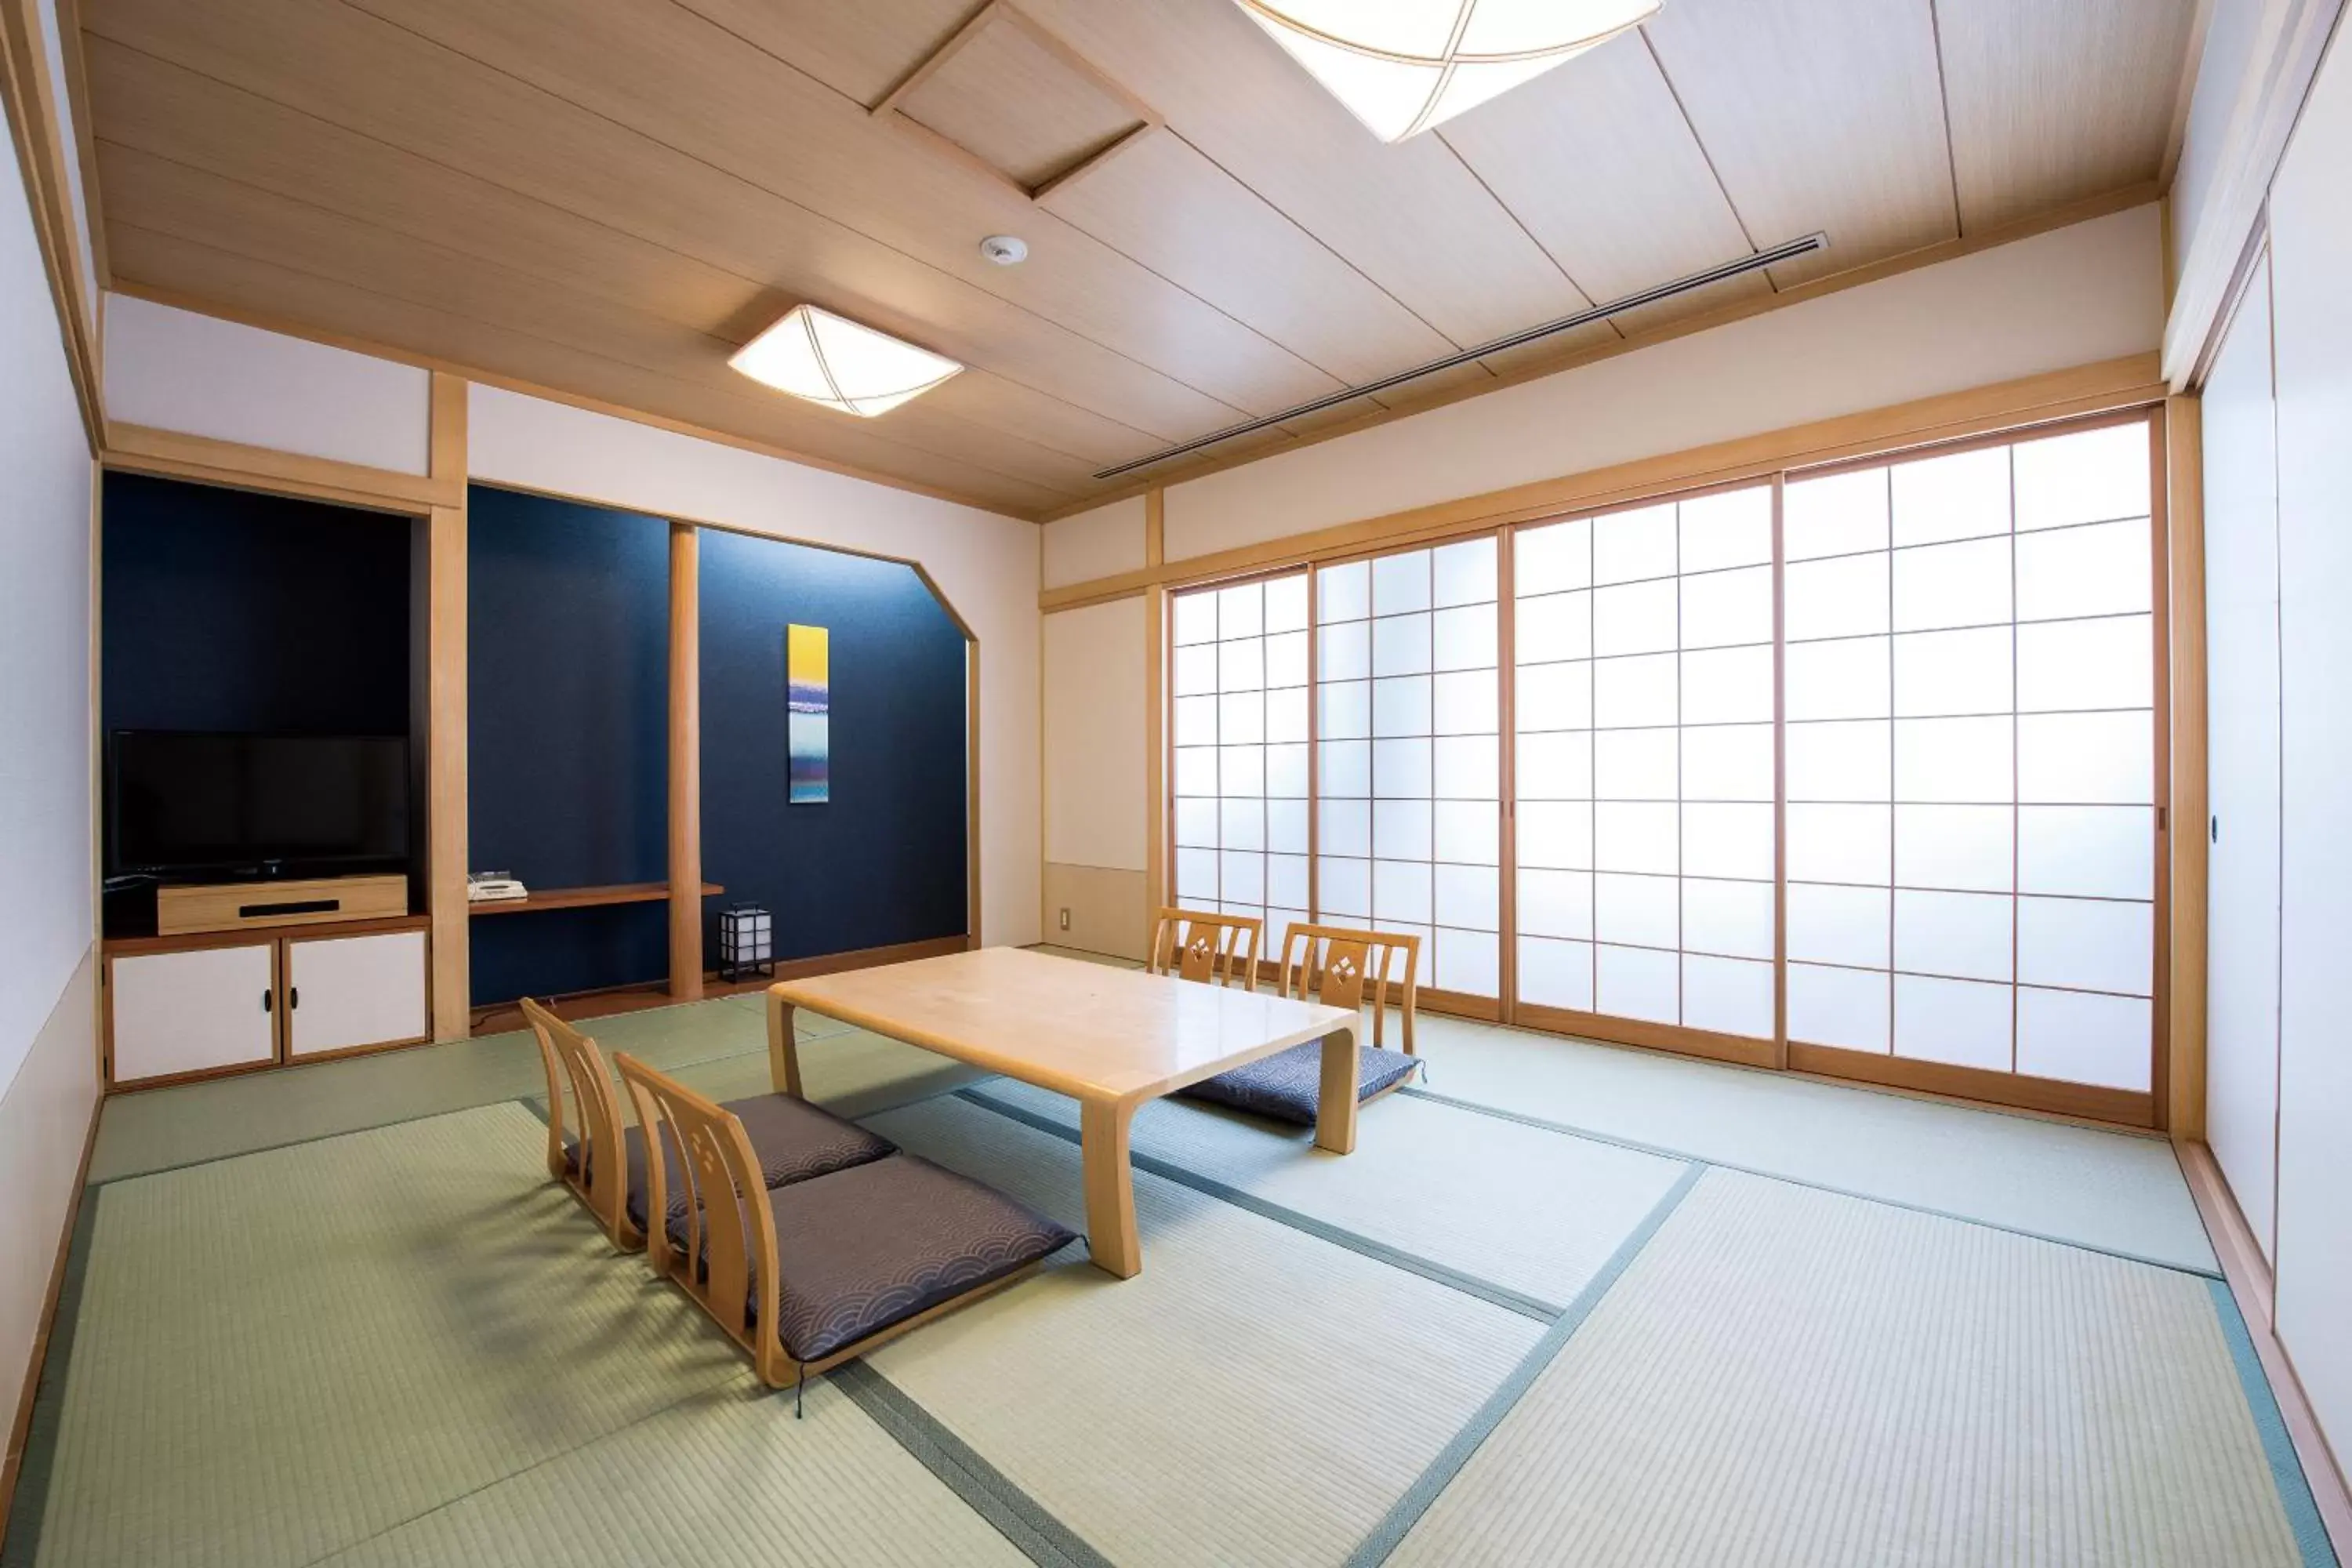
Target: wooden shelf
x,y
584,898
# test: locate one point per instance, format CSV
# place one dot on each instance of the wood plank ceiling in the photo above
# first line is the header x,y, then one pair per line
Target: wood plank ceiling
x,y
606,197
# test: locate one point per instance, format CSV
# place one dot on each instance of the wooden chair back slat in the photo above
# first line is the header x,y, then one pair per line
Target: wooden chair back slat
x,y
1215,949
599,1173
1339,964
730,1232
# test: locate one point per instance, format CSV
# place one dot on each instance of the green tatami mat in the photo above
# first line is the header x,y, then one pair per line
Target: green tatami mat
x,y
852,1073
281,1355
1254,1396
724,1478
1441,1183
1789,1378
2112,1191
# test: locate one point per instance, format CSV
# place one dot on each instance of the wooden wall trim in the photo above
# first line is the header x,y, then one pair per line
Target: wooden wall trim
x,y
35,125
684,762
142,450
2191,850
2252,1285
2118,1107
2102,387
447,853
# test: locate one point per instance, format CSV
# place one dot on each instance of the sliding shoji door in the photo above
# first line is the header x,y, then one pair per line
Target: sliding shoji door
x,y
1645,837
1408,697
1972,762
1240,751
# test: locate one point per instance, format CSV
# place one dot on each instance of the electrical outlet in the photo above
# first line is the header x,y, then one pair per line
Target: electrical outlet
x,y
1066,920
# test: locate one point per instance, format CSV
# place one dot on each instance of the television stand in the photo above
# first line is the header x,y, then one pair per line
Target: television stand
x,y
188,908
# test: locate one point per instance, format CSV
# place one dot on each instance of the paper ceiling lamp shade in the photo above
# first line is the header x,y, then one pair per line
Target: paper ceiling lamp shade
x,y
832,360
1402,65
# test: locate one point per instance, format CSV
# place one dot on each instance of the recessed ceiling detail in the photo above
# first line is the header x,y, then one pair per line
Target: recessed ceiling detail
x,y
1008,95
1402,66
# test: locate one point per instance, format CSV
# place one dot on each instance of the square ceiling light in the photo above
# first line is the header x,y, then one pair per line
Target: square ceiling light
x,y
832,360
1402,65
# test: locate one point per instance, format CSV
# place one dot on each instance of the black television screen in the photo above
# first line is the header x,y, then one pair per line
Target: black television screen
x,y
182,802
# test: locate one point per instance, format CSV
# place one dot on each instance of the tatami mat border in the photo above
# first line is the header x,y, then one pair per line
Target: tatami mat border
x,y
1396,1258
1017,1516
1570,1131
2286,1469
1407,1509
31,1503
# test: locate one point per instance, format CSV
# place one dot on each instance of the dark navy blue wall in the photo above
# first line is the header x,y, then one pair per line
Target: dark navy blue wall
x,y
884,861
568,694
225,610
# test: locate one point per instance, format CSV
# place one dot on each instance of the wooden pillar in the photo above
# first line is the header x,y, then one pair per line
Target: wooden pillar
x,y
446,742
2184,520
684,762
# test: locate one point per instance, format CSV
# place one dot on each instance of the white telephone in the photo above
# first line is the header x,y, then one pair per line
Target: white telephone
x,y
493,887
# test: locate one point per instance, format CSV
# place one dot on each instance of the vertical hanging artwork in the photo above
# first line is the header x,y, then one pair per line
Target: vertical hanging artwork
x,y
808,653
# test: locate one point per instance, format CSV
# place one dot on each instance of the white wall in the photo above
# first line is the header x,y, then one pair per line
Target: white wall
x,y
984,564
176,369
2311,257
2241,700
49,1078
1102,543
1096,738
2074,296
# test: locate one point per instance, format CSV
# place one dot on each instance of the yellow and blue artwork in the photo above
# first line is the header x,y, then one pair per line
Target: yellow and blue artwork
x,y
808,690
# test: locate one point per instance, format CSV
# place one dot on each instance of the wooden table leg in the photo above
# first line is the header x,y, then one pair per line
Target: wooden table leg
x,y
1334,1116
783,1051
1111,1188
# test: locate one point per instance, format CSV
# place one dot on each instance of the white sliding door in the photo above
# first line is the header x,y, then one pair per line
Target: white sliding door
x,y
1644,710
1239,761
1407,694
1971,764
2242,706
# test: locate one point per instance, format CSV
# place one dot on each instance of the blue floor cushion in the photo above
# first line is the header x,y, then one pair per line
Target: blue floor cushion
x,y
1288,1085
792,1140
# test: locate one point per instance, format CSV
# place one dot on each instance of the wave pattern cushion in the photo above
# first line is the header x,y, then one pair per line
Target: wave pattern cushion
x,y
792,1140
868,1247
1288,1085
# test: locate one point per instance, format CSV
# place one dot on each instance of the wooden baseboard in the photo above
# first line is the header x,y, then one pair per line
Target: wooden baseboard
x,y
2121,1108
2250,1282
20,1431
1735,1048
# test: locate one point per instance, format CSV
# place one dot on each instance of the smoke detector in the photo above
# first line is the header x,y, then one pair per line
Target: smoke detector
x,y
1005,249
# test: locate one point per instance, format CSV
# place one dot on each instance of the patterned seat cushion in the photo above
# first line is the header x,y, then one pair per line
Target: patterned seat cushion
x,y
1288,1085
792,1140
874,1245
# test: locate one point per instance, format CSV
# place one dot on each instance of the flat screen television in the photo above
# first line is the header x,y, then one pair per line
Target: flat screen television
x,y
180,803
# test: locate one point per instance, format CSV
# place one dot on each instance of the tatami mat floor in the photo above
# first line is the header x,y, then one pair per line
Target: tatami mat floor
x,y
1568,1304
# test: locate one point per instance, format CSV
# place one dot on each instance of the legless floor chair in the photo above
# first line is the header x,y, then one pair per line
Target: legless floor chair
x,y
808,1276
1338,964
791,1139
1220,949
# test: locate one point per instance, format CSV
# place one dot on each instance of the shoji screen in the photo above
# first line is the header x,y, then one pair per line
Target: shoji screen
x,y
1972,758
1408,697
1239,759
1645,761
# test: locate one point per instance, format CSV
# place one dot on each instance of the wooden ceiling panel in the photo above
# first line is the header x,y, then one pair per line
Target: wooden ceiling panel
x,y
861,48
1161,201
1012,102
677,80
1408,217
1817,114
1596,159
2052,103
241,221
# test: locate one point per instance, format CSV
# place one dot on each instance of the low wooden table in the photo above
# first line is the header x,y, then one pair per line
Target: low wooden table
x,y
1110,1039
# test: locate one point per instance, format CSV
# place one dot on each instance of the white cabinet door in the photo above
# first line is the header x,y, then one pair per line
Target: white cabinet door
x,y
354,991
186,1012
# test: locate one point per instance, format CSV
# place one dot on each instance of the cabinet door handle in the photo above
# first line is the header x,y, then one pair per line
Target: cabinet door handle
x,y
264,1002
293,996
